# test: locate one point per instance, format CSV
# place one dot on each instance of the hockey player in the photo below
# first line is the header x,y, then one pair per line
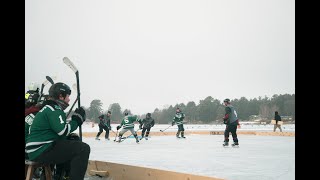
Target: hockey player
x,y
127,123
147,123
178,119
104,124
232,122
32,107
47,141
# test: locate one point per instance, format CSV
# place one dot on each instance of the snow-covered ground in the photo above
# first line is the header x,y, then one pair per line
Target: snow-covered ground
x,y
259,157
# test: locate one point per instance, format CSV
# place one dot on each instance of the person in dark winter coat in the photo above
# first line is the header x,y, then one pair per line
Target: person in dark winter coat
x,y
147,123
277,118
104,124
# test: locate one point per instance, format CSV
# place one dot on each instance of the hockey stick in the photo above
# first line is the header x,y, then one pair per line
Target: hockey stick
x,y
113,131
115,136
49,79
71,108
43,85
130,135
165,128
75,70
74,86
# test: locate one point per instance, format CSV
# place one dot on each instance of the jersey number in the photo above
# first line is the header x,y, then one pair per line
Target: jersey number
x,y
61,120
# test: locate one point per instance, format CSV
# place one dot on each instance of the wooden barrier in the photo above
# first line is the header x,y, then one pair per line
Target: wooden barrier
x,y
265,133
116,171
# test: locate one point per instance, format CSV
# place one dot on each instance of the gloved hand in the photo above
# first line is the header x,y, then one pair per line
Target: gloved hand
x,y
225,121
73,136
140,126
118,127
79,115
172,123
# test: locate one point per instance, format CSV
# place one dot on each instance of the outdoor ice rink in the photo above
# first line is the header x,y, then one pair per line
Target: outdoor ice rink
x,y
258,157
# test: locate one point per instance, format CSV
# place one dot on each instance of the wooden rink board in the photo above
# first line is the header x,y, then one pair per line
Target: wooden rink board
x,y
115,171
274,122
264,133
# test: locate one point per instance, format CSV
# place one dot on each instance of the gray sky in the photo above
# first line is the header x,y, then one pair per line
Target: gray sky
x,y
148,54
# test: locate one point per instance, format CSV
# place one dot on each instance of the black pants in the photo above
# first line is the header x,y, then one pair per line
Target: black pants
x,y
101,128
233,129
180,127
144,130
68,151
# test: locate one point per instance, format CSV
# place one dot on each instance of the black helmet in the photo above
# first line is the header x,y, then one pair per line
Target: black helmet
x,y
109,112
126,113
148,114
227,100
59,88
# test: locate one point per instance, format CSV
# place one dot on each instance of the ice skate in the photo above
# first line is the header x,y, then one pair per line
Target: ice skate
x,y
236,145
225,144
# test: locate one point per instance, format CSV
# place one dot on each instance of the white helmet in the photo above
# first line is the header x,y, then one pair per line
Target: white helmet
x,y
33,86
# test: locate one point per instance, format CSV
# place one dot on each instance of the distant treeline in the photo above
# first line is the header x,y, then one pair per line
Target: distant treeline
x,y
209,110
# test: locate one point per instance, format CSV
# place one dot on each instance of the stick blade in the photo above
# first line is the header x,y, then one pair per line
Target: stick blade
x,y
49,79
67,61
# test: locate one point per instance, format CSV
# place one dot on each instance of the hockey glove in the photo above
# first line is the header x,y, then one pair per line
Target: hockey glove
x,y
225,121
73,136
118,127
79,115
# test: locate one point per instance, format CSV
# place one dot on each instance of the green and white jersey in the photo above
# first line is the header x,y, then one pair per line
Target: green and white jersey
x,y
48,125
127,121
178,118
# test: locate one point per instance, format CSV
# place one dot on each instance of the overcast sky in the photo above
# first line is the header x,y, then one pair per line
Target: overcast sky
x,y
148,54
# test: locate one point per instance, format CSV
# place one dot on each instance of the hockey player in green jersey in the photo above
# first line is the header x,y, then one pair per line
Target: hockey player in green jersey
x,y
47,141
127,123
178,119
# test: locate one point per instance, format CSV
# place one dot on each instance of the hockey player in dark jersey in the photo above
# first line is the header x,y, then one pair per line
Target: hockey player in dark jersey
x,y
147,123
178,119
31,106
47,141
104,124
127,123
232,122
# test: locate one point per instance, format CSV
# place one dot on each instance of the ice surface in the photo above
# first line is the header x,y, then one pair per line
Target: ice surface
x,y
258,157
